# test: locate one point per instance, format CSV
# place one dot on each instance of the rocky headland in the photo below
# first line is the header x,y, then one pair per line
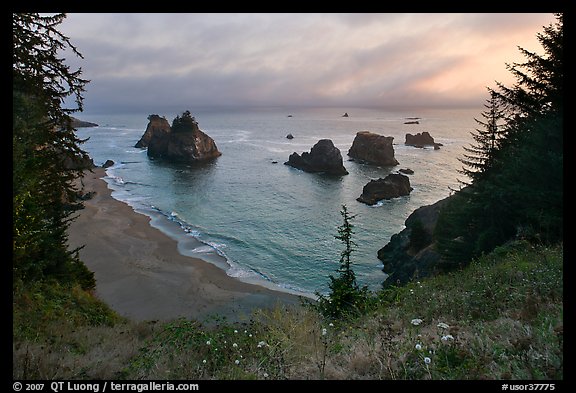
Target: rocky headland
x,y
77,123
411,253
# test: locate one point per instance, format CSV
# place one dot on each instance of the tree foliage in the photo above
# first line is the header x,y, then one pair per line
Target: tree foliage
x,y
346,296
479,157
184,123
43,139
516,166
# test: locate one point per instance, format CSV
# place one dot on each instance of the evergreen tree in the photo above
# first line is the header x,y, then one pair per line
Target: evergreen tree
x,y
184,123
479,157
516,167
43,140
346,296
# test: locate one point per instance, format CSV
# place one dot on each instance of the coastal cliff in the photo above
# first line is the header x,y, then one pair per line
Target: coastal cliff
x,y
411,253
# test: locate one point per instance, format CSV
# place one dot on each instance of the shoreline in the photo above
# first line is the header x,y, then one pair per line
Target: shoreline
x,y
141,274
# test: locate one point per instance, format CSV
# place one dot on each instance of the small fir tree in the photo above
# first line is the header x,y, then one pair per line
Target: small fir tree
x,y
346,296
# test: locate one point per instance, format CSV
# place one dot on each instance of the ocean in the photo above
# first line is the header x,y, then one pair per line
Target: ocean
x,y
268,223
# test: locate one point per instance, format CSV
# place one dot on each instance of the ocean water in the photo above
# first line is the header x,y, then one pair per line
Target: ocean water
x,y
269,223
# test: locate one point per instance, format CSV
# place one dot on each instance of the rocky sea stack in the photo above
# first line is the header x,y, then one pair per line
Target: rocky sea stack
x,y
392,186
373,149
323,157
183,142
421,139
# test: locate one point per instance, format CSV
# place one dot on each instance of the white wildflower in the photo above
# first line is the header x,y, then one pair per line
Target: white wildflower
x,y
324,331
250,335
265,375
235,331
204,361
447,337
418,347
235,345
237,361
331,324
416,321
208,342
427,360
443,325
261,344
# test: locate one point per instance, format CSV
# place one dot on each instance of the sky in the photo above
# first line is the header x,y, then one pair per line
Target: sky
x,y
155,61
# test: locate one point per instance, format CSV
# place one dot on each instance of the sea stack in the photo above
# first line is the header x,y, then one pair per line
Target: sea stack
x,y
421,139
373,149
183,142
323,157
392,186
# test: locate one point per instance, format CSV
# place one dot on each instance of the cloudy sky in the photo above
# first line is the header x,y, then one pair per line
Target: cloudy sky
x,y
154,61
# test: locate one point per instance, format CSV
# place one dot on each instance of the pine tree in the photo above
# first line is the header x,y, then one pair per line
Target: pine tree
x,y
479,157
345,297
43,140
516,167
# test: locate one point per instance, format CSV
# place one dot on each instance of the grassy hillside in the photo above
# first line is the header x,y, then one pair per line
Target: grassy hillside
x,y
500,318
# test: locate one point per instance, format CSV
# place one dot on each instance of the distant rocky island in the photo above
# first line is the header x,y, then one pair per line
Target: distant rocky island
x,y
323,157
183,142
373,149
421,139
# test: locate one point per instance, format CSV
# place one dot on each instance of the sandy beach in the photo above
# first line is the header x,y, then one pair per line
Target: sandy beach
x,y
140,273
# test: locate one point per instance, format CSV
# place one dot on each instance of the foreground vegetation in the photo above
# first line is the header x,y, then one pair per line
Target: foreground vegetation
x,y
499,318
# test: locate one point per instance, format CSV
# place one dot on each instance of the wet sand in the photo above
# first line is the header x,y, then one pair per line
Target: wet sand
x,y
140,273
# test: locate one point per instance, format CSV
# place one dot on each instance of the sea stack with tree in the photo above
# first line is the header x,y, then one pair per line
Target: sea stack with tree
x,y
183,142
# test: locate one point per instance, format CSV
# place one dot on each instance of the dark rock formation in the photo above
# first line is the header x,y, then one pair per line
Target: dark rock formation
x,y
183,142
392,186
289,136
373,148
421,139
108,164
345,114
77,123
406,171
411,253
323,157
156,126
